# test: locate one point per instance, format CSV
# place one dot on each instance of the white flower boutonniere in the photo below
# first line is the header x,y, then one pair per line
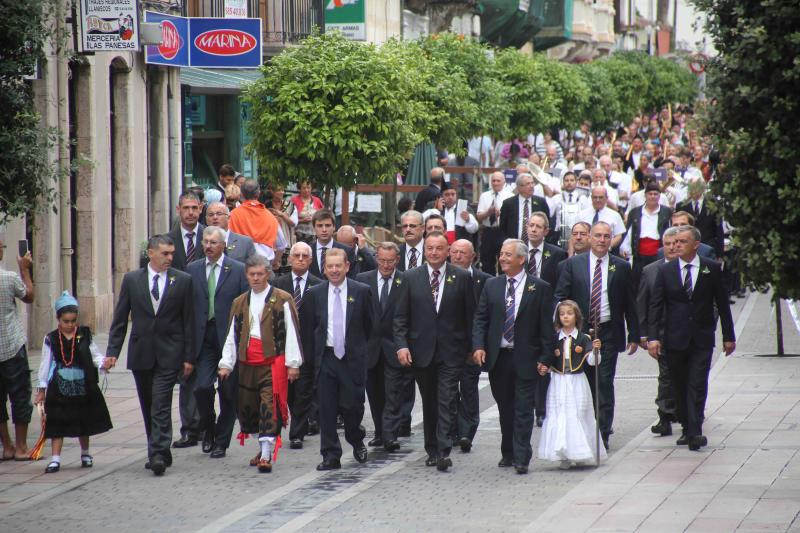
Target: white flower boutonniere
x,y
231,247
226,268
171,280
451,279
706,270
531,288
398,281
546,255
350,299
612,268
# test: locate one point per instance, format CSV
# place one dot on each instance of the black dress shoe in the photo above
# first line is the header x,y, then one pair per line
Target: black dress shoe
x,y
697,442
185,442
313,428
465,444
377,441
604,437
295,444
158,466
443,463
329,464
521,469
505,462
431,461
218,452
663,428
339,422
539,421
208,442
360,453
404,432
683,440
52,468
391,446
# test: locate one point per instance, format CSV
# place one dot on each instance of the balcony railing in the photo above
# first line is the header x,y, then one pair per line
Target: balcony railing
x,y
289,21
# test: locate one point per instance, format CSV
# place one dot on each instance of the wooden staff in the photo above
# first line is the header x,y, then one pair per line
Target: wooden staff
x,y
594,333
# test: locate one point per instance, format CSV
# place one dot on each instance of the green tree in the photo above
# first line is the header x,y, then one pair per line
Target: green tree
x,y
569,89
669,82
602,106
755,122
531,99
335,111
27,177
631,83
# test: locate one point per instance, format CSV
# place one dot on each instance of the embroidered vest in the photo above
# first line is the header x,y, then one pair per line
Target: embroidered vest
x,y
273,326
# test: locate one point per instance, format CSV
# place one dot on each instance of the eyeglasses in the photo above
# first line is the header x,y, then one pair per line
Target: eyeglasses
x,y
216,214
410,226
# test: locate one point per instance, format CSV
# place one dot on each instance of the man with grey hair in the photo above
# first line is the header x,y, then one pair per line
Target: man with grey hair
x,y
237,246
364,258
706,221
516,211
412,226
510,353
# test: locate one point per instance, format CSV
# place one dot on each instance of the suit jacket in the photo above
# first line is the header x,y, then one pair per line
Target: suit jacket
x,y
709,225
703,251
381,341
163,338
646,283
432,336
402,266
426,196
286,283
314,268
365,261
358,326
179,260
576,284
231,282
686,322
509,214
239,247
552,256
479,279
634,225
534,336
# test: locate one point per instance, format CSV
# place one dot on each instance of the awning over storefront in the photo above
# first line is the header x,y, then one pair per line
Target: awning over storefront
x,y
218,81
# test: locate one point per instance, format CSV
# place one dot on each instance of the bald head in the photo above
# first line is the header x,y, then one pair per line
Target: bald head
x,y
462,253
346,235
599,197
497,181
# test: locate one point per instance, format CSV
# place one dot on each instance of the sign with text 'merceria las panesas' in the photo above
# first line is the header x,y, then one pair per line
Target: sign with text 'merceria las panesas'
x,y
109,25
206,42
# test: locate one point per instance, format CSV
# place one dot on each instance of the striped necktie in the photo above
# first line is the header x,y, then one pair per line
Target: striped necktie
x,y
597,291
508,325
298,294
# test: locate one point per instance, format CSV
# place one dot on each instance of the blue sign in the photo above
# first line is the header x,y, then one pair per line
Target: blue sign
x,y
174,50
225,43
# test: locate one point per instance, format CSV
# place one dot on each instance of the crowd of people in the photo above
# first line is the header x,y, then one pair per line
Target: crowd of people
x,y
579,250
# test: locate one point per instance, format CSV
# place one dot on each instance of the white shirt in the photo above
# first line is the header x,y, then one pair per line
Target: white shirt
x,y
442,275
556,202
607,215
695,270
46,365
320,246
218,269
479,148
418,248
488,199
539,255
303,281
450,216
605,308
638,199
624,183
381,282
162,283
184,232
635,158
293,355
567,340
519,286
649,229
331,303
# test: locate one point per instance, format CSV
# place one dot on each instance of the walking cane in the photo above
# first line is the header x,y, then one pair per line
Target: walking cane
x,y
595,334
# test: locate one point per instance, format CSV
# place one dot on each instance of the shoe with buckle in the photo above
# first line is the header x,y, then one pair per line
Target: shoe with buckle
x,y
87,461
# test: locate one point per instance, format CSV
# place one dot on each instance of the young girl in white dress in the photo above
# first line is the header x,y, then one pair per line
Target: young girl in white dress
x,y
568,434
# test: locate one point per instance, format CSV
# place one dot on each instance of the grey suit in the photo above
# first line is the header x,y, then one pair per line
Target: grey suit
x,y
239,247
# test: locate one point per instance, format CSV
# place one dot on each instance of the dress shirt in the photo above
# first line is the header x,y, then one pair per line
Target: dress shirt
x,y
637,199
331,300
257,301
320,246
695,270
418,248
46,364
649,227
184,231
607,215
697,205
218,262
451,216
442,275
488,198
303,281
605,307
635,158
520,280
381,282
162,283
539,255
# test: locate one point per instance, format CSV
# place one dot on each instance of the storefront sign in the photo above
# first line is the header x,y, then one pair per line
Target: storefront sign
x,y
348,17
235,9
109,25
174,49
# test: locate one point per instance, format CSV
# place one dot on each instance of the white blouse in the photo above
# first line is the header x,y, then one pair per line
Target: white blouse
x,y
47,361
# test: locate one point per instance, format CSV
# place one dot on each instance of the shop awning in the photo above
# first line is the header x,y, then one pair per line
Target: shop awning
x,y
218,81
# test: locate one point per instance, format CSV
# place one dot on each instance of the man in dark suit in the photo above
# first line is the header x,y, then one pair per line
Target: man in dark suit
x,y
466,408
432,328
646,224
412,251
339,313
365,259
510,353
665,398
426,196
682,218
188,247
237,246
216,281
601,285
542,262
385,386
158,300
708,223
302,392
515,211
682,324
324,225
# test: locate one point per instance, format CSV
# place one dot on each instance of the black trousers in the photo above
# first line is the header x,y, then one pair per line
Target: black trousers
x,y
206,370
15,381
491,242
639,262
466,405
399,400
438,386
303,400
541,383
376,394
689,370
187,404
515,399
665,398
607,371
338,394
154,388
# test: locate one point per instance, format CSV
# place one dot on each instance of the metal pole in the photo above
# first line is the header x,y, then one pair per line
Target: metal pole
x,y
595,334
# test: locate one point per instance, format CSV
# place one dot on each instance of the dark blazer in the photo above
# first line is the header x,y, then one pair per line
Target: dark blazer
x,y
314,268
509,214
164,337
709,225
286,282
646,283
365,261
703,251
239,247
634,225
358,326
402,266
179,260
479,279
551,257
430,336
426,196
231,282
381,341
683,321
534,340
575,284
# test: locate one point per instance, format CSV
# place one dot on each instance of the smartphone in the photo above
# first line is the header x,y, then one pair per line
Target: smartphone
x,y
23,247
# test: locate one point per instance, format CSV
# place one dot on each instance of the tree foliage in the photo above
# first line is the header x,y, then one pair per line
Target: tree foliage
x,y
570,90
602,106
755,123
668,82
631,83
532,103
27,178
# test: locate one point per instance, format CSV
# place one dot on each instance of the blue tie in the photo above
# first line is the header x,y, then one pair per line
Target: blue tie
x,y
508,325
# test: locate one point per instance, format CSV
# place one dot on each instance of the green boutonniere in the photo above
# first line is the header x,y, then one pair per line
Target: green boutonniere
x,y
350,299
706,271
398,281
451,279
531,288
612,268
546,255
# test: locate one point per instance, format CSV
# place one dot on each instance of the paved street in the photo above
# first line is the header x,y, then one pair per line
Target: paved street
x,y
747,478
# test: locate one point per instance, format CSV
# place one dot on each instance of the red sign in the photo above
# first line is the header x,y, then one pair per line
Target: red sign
x,y
171,40
224,42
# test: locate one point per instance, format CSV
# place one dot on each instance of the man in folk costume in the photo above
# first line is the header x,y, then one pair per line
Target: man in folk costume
x,y
263,338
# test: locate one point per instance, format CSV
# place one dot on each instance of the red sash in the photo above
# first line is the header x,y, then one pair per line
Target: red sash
x,y
280,376
648,246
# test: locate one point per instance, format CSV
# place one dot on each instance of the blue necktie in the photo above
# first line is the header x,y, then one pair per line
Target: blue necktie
x,y
508,325
154,290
